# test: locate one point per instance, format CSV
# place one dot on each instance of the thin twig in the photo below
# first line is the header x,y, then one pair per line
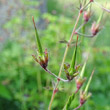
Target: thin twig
x,y
85,5
80,27
56,76
102,7
78,107
85,35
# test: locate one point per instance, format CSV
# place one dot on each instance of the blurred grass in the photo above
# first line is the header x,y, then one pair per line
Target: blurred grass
x,y
23,81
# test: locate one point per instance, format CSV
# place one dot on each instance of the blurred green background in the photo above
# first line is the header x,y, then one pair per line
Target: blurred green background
x,y
23,83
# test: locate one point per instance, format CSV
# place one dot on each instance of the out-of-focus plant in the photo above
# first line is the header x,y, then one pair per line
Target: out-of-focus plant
x,y
23,86
72,71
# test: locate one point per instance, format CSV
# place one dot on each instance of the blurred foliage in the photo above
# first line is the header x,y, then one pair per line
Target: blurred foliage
x,y
23,83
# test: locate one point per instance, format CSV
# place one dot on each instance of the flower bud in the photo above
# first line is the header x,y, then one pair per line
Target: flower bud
x,y
42,60
79,82
86,16
91,0
72,70
84,97
95,28
46,56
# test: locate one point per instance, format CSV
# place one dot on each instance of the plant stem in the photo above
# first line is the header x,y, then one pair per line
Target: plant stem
x,y
85,35
67,47
78,107
102,7
56,76
65,54
39,82
66,51
53,95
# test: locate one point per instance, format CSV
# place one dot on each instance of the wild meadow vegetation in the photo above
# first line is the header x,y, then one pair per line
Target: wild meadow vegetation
x,y
37,73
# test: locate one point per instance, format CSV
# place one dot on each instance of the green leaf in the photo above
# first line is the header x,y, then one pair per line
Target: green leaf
x,y
4,92
89,81
83,70
72,66
37,39
100,17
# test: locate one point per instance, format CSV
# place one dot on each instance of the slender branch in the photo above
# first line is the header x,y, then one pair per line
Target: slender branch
x,y
56,76
90,36
102,7
53,95
76,91
84,2
85,5
71,45
80,27
78,107
66,50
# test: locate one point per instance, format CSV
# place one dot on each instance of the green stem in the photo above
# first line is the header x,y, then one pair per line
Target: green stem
x,y
65,54
66,51
83,31
39,82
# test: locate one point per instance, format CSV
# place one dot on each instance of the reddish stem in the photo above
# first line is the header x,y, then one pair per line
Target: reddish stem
x,y
78,107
